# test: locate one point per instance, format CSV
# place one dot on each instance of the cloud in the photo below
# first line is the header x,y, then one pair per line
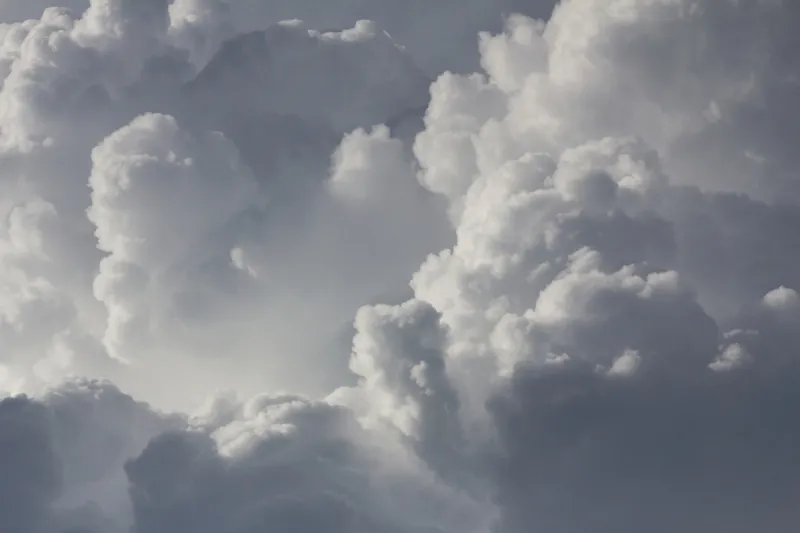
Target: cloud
x,y
85,457
782,299
558,254
586,281
75,87
21,10
342,79
285,463
585,452
441,39
28,490
61,456
151,241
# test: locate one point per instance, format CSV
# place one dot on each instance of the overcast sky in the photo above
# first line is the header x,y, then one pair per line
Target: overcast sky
x,y
434,266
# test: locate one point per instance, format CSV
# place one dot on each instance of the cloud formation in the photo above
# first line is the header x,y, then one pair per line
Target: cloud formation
x,y
61,457
475,267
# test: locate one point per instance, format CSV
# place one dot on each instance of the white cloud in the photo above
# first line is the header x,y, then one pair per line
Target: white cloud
x,y
734,356
575,238
626,364
782,299
76,84
154,243
573,271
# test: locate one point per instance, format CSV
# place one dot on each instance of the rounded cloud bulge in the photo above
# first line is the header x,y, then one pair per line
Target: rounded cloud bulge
x,y
426,267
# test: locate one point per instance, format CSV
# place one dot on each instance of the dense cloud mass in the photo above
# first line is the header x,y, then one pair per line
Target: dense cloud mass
x,y
409,267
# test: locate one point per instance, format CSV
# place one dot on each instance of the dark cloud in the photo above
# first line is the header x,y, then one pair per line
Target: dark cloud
x,y
601,335
31,478
283,464
62,455
712,454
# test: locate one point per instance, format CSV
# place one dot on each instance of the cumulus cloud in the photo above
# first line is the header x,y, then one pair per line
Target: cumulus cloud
x,y
137,173
82,98
583,270
485,267
286,463
61,457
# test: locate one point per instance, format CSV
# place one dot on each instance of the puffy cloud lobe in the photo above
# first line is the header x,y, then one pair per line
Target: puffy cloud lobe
x,y
626,364
62,72
782,299
522,224
583,274
38,52
666,71
257,483
47,257
109,24
363,158
374,192
283,463
398,354
491,138
734,356
577,312
272,461
138,172
39,320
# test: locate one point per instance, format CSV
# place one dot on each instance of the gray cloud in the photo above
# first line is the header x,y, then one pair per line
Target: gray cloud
x,y
582,452
86,86
583,234
30,477
62,456
287,464
20,10
444,38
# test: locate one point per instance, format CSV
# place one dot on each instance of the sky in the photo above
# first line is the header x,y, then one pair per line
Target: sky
x,y
355,266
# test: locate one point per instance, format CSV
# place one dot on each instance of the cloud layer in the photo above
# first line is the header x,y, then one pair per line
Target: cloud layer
x,y
475,267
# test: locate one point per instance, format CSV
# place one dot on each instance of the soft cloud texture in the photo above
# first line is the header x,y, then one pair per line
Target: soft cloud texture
x,y
61,457
286,251
475,267
288,464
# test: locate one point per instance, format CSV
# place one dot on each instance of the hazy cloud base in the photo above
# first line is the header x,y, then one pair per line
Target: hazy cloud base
x,y
426,267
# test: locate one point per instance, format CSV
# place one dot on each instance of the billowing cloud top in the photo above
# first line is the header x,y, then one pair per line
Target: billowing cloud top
x,y
367,266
